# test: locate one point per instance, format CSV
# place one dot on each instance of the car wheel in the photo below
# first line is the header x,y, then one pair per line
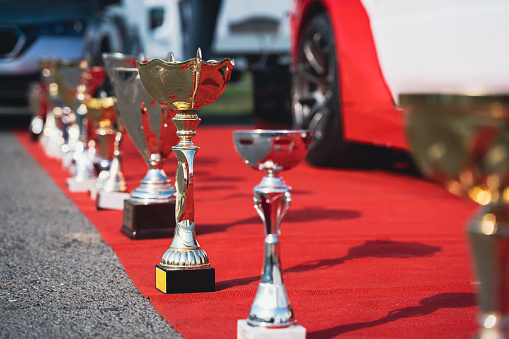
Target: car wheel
x,y
316,98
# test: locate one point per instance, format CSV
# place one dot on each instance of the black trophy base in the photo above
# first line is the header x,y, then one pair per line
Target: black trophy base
x,y
148,221
185,281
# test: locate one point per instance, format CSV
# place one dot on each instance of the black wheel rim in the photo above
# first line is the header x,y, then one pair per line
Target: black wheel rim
x,y
314,84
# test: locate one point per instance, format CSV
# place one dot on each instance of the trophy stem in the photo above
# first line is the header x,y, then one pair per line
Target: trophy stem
x,y
489,241
185,252
84,163
105,136
115,181
271,307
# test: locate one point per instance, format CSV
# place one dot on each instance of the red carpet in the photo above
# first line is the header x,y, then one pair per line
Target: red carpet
x,y
364,253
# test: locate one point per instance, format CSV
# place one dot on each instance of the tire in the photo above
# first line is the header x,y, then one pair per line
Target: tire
x,y
316,99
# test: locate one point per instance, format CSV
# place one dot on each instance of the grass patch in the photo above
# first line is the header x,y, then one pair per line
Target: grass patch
x,y
236,100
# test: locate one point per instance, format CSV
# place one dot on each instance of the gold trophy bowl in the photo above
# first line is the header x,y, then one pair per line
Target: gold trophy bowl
x,y
462,142
185,86
102,114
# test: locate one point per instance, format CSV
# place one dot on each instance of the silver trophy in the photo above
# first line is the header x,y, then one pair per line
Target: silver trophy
x,y
52,137
272,151
150,128
115,181
74,86
149,211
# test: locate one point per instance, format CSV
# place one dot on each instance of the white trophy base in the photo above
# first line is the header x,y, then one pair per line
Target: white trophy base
x,y
53,152
79,186
93,193
111,200
68,162
244,331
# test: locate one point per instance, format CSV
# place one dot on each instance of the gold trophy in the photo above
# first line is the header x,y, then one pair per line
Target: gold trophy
x,y
110,186
463,142
185,86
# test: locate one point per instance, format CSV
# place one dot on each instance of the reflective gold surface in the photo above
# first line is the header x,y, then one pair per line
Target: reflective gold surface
x,y
185,86
463,142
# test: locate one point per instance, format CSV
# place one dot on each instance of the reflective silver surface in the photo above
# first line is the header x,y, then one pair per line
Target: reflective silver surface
x,y
185,86
115,182
115,60
52,138
67,77
272,151
148,124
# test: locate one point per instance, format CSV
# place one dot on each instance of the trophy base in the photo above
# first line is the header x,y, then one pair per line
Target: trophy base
x,y
245,331
93,193
185,281
68,162
79,186
148,221
110,200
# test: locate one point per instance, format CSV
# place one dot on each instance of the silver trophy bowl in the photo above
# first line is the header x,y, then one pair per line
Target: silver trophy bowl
x,y
272,151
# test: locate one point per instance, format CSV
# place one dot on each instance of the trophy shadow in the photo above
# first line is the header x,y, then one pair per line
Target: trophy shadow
x,y
372,248
383,249
426,306
301,215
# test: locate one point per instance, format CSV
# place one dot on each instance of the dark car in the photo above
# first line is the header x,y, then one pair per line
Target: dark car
x,y
66,29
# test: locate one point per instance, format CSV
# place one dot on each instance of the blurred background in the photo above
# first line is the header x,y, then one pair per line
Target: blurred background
x,y
254,33
334,67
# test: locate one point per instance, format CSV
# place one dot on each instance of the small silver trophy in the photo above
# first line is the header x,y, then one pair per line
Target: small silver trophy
x,y
271,151
74,86
52,137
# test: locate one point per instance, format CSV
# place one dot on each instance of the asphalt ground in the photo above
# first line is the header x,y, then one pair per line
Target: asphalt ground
x,y
58,278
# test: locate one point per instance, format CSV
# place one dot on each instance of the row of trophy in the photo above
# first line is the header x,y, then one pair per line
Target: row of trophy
x,y
154,102
459,140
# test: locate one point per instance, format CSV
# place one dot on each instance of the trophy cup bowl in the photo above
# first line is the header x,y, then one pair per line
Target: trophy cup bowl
x,y
183,87
272,151
462,142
